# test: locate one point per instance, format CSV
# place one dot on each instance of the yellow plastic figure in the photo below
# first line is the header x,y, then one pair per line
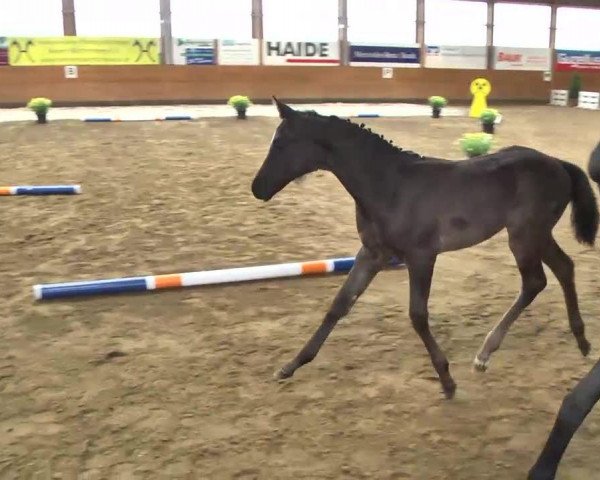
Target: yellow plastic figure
x,y
480,88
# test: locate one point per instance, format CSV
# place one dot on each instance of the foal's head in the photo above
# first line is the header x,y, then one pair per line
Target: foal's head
x,y
298,148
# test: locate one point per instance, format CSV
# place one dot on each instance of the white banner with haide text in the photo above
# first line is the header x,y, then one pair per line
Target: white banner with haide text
x,y
300,53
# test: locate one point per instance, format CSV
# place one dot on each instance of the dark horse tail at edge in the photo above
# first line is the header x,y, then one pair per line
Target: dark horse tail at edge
x,y
594,164
584,211
579,402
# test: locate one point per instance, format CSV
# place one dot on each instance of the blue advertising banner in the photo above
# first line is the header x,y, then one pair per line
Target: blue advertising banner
x,y
363,55
200,56
193,52
577,60
3,51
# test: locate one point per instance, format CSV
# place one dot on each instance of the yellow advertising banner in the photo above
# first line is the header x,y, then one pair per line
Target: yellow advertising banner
x,y
36,51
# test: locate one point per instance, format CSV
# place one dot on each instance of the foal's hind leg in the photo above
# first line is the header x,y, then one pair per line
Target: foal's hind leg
x,y
562,267
366,266
533,280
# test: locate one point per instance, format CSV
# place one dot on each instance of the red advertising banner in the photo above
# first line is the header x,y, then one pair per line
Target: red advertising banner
x,y
577,60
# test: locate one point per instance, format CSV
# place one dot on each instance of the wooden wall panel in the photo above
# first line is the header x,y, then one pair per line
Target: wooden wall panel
x,y
168,84
590,81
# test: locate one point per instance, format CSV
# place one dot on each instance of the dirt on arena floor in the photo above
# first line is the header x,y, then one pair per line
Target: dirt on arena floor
x,y
191,394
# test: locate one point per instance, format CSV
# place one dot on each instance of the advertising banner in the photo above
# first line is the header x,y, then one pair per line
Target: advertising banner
x,y
239,52
193,52
577,60
390,55
301,53
447,56
3,51
512,58
34,51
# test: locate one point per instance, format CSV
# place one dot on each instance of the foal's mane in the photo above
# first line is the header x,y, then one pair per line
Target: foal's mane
x,y
378,141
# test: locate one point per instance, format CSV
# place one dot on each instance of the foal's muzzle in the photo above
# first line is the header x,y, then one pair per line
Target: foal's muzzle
x,y
259,189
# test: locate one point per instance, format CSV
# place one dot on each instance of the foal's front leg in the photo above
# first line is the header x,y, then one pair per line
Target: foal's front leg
x,y
366,266
420,271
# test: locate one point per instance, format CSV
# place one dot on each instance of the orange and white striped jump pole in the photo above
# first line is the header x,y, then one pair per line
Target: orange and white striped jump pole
x,y
190,279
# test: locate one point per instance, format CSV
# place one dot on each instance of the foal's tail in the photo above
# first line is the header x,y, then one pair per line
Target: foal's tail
x,y
584,210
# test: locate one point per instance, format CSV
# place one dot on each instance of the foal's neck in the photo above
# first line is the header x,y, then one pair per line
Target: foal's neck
x,y
369,173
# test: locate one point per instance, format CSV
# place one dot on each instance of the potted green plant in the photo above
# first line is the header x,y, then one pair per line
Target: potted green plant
x,y
474,144
437,103
241,104
574,89
40,106
488,118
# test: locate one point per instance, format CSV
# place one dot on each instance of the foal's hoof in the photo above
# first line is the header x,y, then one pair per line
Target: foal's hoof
x,y
480,365
282,374
449,391
584,347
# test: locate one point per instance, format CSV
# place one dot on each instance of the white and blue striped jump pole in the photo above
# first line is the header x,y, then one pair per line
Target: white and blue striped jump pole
x,y
40,190
118,119
190,279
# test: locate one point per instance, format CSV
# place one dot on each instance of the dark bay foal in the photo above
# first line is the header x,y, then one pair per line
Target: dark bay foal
x,y
414,208
578,403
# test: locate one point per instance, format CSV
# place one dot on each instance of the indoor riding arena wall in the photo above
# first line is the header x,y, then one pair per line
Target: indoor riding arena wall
x,y
174,84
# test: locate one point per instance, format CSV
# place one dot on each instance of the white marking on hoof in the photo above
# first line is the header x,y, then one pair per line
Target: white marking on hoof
x,y
480,365
281,375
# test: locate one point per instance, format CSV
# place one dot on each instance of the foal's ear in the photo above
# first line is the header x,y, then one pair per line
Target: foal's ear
x,y
285,111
